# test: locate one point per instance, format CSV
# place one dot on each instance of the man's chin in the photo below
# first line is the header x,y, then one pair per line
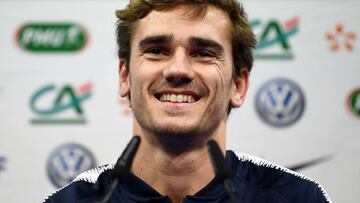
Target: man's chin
x,y
176,131
177,140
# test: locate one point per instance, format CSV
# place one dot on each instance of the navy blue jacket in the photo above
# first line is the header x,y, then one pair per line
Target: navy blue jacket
x,y
256,181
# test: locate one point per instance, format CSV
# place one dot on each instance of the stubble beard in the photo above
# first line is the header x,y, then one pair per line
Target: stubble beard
x,y
176,140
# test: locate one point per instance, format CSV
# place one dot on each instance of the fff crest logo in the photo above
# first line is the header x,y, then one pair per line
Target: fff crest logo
x,y
274,38
353,102
60,104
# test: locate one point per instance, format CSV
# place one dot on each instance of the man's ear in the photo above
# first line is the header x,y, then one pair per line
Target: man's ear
x,y
239,90
124,80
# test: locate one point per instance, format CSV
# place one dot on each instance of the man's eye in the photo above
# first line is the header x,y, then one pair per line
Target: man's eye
x,y
155,51
204,53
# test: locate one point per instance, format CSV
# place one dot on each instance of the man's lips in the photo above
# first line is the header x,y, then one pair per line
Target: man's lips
x,y
177,96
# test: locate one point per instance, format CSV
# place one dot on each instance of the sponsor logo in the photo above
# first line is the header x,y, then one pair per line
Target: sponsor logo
x,y
3,161
280,102
353,102
310,163
338,39
274,37
67,161
60,105
51,37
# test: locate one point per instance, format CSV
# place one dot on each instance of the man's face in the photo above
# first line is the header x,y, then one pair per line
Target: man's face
x,y
180,77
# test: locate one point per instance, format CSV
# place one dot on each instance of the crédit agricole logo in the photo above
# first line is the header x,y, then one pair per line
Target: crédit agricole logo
x,y
60,105
51,37
274,38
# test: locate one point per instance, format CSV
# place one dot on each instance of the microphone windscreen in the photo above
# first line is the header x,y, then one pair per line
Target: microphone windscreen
x,y
124,162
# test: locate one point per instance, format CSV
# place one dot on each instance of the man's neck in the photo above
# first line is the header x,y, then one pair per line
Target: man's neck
x,y
174,175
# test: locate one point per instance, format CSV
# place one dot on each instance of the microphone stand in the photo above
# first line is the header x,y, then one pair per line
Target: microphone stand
x,y
222,169
122,166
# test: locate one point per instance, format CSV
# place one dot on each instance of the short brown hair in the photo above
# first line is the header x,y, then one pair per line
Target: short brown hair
x,y
243,39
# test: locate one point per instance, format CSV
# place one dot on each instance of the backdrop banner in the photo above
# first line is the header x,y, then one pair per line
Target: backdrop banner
x,y
61,113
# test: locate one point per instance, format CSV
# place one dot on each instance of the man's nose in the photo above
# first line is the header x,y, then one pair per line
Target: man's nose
x,y
179,70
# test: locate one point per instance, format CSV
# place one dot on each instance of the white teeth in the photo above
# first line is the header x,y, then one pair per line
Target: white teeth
x,y
177,98
173,98
191,100
162,98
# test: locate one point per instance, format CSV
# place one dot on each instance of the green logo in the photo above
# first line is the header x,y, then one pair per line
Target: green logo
x,y
51,37
274,38
59,105
2,163
353,102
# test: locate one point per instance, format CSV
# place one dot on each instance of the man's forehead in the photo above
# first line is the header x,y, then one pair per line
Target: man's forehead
x,y
188,12
215,24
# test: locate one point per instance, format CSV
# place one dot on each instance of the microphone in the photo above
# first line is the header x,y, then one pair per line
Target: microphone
x,y
222,169
122,166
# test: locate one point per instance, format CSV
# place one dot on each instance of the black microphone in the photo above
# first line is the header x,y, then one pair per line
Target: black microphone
x,y
222,169
122,166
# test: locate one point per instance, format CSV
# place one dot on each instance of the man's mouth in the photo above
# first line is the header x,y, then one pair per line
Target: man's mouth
x,y
177,98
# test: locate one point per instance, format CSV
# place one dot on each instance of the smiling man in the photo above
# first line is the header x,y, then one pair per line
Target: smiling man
x,y
184,64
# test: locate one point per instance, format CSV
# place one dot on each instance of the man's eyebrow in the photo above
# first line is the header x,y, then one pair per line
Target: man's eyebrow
x,y
156,39
201,42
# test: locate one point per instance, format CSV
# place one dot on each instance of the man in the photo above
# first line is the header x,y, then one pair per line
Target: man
x,y
183,65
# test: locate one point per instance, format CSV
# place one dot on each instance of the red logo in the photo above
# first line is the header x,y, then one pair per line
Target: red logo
x,y
340,38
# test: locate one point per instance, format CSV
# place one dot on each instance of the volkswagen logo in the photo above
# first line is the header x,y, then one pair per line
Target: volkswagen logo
x,y
280,102
67,161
